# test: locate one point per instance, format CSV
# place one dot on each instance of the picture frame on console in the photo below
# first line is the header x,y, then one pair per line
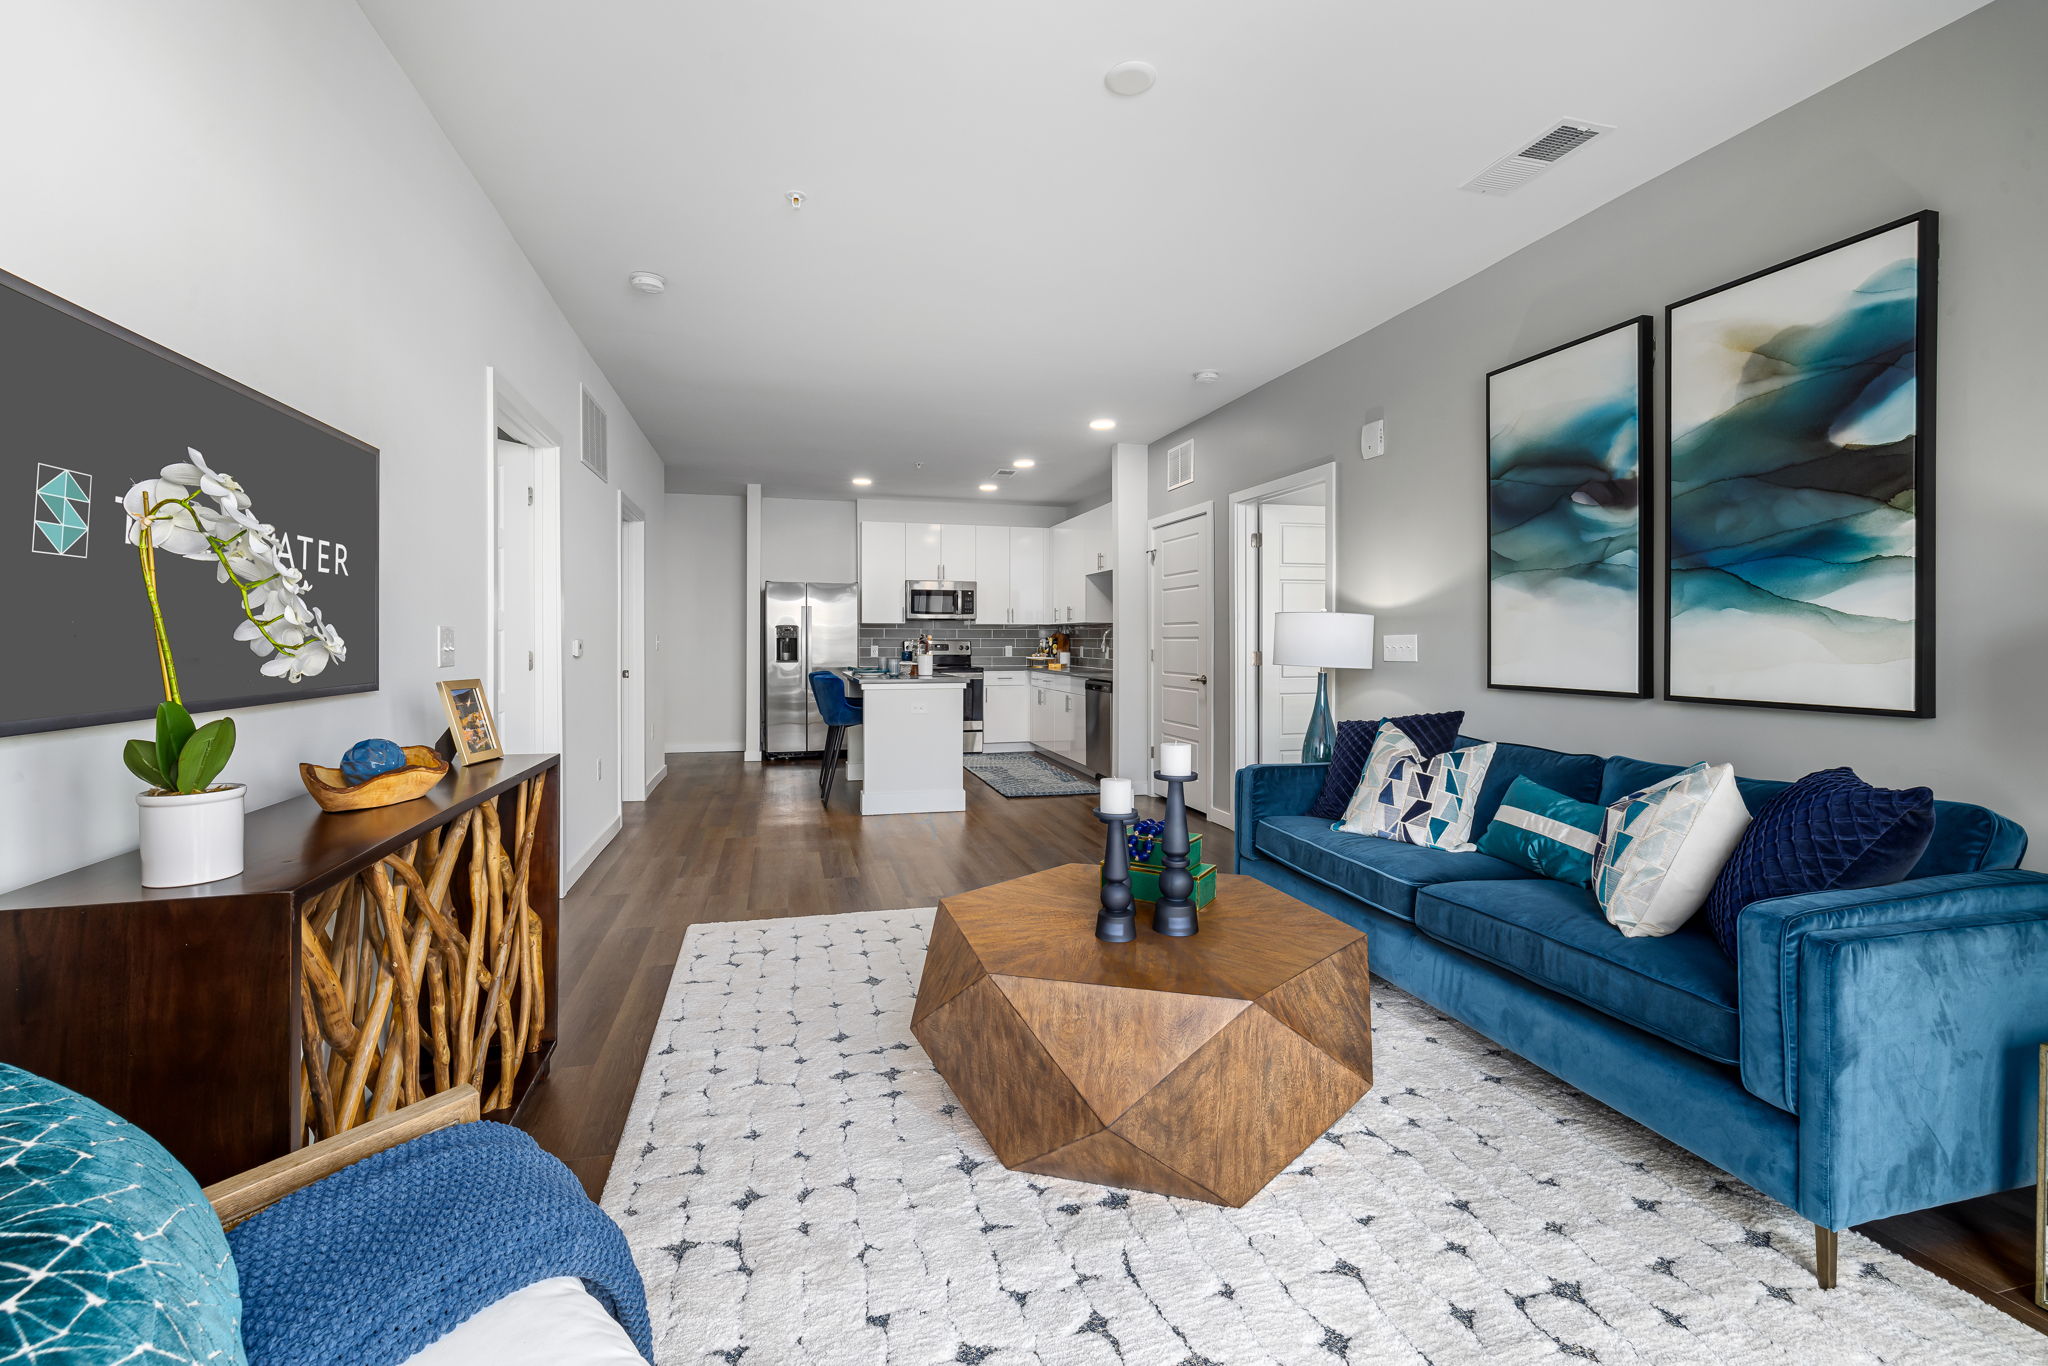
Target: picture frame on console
x,y
1799,421
470,723
1568,522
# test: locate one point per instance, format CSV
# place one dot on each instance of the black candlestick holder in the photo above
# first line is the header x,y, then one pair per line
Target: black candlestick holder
x,y
1173,915
1117,921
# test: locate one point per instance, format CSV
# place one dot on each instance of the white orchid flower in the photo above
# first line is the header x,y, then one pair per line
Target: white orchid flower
x,y
198,474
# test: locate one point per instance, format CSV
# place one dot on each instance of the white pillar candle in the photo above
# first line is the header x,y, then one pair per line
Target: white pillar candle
x,y
1115,797
1176,758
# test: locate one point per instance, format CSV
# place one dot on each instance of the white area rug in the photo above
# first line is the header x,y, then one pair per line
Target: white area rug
x,y
799,1186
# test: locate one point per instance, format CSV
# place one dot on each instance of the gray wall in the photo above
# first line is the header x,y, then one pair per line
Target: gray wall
x,y
1959,123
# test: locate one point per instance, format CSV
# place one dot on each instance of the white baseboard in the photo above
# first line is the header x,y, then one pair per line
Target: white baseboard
x,y
913,800
856,771
654,781
589,856
704,747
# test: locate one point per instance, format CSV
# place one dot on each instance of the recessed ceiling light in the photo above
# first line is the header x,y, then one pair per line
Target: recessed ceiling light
x,y
861,481
1131,78
1023,462
990,488
1103,424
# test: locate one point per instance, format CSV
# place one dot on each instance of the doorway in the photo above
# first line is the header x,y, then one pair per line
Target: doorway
x,y
525,609
633,732
1283,553
1183,644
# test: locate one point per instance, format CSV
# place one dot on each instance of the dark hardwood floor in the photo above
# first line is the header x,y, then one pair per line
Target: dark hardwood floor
x,y
725,840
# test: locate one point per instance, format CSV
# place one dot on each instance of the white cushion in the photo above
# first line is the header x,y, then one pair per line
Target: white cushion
x,y
549,1323
1662,847
1401,796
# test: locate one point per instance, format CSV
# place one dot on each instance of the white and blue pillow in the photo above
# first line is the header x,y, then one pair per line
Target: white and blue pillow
x,y
1426,801
1662,847
1546,832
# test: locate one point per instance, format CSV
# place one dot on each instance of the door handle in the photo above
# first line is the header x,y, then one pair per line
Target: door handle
x,y
1202,679
625,673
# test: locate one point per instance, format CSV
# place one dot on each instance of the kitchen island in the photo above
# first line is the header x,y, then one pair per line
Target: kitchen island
x,y
906,750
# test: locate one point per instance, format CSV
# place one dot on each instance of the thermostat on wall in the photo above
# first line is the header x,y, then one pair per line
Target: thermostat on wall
x,y
1372,439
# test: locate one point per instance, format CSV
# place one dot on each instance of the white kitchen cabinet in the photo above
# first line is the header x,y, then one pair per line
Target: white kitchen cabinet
x,y
923,551
881,573
993,600
1064,578
1030,549
1006,708
1083,557
1059,716
959,553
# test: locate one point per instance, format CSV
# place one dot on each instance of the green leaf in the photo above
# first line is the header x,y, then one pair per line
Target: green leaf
x,y
173,730
140,756
206,754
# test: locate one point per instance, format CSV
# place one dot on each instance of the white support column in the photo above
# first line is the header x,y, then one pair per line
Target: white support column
x,y
750,584
1131,614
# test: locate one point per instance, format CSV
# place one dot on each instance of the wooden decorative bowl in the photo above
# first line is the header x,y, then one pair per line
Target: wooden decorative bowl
x,y
423,768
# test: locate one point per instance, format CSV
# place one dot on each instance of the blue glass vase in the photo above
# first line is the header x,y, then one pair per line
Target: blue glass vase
x,y
1320,740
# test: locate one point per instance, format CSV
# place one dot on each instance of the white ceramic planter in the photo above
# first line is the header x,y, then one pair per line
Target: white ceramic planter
x,y
189,838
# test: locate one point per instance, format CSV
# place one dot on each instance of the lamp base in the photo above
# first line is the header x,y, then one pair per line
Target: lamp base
x,y
1319,742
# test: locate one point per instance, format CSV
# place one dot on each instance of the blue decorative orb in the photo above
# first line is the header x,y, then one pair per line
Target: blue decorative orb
x,y
368,758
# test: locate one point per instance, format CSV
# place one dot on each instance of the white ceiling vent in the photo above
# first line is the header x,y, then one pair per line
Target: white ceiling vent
x,y
1180,465
596,457
1538,155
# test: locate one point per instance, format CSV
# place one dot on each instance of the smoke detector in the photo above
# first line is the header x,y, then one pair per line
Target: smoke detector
x,y
1536,156
1207,376
647,282
1131,78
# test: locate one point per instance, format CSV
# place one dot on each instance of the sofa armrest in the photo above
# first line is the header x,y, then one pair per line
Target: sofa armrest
x,y
1770,952
243,1196
1918,1048
1271,790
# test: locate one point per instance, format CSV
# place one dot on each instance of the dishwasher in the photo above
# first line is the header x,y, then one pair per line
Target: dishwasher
x,y
1101,728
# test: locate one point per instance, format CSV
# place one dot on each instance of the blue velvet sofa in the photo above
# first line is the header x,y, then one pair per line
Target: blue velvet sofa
x,y
1873,1052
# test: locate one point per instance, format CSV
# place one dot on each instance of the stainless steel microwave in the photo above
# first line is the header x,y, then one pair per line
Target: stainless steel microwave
x,y
938,600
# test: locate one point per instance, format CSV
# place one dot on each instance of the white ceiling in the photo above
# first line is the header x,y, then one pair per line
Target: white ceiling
x,y
994,249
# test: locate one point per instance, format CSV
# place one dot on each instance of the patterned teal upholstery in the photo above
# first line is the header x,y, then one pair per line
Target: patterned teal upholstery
x,y
111,1252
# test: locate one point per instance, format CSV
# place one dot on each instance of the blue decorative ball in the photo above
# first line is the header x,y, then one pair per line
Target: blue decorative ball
x,y
368,758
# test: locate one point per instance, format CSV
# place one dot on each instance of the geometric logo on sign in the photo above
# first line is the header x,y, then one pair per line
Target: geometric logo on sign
x,y
63,512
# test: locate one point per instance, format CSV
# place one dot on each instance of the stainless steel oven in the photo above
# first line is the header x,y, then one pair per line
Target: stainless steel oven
x,y
938,600
956,659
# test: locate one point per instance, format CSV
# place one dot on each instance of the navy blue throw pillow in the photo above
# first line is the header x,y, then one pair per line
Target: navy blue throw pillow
x,y
1829,831
1433,732
1347,761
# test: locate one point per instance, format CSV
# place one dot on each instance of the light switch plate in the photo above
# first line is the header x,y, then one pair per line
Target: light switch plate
x,y
444,646
1400,650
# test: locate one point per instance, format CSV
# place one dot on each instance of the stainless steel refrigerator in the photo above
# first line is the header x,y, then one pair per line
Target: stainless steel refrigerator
x,y
805,626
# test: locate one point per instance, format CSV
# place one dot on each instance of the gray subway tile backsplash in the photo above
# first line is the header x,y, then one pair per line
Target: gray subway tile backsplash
x,y
991,644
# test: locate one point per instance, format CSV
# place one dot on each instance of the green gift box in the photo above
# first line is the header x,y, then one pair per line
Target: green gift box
x,y
1145,881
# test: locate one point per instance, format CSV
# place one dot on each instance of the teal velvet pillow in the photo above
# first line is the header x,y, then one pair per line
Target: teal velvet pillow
x,y
112,1254
1545,832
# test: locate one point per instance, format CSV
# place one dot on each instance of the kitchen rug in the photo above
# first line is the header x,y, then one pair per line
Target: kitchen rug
x,y
799,1186
1027,775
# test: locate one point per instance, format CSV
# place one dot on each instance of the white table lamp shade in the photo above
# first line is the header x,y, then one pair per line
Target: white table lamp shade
x,y
1323,640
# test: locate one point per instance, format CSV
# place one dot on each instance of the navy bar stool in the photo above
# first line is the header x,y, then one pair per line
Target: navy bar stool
x,y
838,712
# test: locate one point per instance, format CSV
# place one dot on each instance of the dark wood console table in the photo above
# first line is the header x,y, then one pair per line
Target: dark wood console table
x,y
238,1019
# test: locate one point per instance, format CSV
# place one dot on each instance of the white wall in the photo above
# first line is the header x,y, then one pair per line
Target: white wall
x,y
991,513
257,186
808,540
705,621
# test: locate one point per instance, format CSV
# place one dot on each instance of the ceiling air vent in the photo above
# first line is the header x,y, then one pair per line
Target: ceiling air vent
x,y
596,457
1538,155
1180,465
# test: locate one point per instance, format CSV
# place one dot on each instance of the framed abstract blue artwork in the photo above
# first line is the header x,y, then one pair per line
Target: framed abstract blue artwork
x,y
1800,418
1567,524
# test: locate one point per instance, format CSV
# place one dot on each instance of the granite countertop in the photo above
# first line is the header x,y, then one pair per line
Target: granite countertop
x,y
885,681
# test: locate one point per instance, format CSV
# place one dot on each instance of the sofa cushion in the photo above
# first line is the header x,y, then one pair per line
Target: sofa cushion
x,y
1967,839
1548,833
1573,775
1679,987
1383,872
1347,761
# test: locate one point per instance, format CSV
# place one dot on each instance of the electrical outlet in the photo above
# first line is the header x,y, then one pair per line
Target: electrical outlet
x,y
1400,650
444,646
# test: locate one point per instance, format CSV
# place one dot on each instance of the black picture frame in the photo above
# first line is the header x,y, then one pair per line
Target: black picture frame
x,y
1926,312
1646,359
137,355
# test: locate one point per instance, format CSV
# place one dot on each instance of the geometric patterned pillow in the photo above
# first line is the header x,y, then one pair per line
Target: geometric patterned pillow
x,y
112,1254
1365,814
1662,847
1431,802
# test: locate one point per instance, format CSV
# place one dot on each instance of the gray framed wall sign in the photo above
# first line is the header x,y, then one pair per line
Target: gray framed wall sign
x,y
1800,412
87,408
1568,526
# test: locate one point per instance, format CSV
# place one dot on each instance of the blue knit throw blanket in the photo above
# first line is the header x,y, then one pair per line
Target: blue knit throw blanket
x,y
376,1261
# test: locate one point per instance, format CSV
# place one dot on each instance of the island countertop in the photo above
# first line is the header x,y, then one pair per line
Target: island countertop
x,y
886,681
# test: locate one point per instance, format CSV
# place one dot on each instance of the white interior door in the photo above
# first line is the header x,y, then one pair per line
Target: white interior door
x,y
632,654
515,692
1294,576
1182,612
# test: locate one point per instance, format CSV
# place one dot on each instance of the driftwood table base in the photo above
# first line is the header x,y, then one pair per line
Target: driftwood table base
x,y
1195,1067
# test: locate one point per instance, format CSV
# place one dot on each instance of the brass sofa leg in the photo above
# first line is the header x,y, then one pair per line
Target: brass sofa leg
x,y
1824,1256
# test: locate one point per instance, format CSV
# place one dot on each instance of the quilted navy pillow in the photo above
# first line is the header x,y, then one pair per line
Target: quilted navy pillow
x,y
1828,831
1434,732
1347,761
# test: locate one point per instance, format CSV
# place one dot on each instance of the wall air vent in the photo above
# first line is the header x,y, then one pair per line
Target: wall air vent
x,y
1536,156
1180,465
596,457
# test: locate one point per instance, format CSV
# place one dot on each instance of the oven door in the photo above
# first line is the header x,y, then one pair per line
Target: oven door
x,y
972,710
937,600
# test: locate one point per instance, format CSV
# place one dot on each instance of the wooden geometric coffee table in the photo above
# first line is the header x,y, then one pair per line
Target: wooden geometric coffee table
x,y
1194,1067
